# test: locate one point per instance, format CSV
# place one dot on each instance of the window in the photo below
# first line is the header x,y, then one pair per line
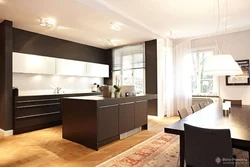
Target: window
x,y
202,84
129,67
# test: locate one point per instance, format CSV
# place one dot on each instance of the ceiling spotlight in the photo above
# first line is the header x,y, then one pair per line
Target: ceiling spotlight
x,y
116,26
50,23
112,42
172,34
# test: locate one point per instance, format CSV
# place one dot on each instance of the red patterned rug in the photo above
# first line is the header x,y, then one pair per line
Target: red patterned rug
x,y
160,150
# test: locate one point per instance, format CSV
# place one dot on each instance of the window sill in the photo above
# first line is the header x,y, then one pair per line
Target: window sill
x,y
206,96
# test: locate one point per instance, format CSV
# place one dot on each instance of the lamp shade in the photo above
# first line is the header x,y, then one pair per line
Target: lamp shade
x,y
221,65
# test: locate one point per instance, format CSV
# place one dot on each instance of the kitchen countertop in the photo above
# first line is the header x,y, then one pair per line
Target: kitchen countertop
x,y
97,98
60,94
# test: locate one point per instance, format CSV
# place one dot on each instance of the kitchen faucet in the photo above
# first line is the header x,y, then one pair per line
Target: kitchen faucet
x,y
57,90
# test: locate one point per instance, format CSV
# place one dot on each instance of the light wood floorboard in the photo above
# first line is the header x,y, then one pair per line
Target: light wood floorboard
x,y
47,148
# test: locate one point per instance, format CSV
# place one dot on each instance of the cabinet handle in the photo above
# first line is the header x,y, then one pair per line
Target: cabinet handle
x,y
42,100
114,105
127,103
37,115
141,101
38,105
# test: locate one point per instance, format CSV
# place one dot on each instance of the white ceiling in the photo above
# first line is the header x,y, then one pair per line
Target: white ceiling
x,y
88,21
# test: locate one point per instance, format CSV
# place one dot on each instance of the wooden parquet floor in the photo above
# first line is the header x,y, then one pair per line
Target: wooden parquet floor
x,y
47,148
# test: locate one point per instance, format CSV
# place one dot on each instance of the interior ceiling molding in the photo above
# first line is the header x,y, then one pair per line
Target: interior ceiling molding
x,y
103,6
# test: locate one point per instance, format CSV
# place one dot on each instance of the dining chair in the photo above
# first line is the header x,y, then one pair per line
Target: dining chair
x,y
202,105
195,107
183,113
234,102
207,147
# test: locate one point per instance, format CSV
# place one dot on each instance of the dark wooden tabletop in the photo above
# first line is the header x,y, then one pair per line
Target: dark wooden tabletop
x,y
212,117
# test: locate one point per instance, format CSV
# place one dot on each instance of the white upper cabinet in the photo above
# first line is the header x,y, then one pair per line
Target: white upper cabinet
x,y
33,64
70,67
97,70
26,63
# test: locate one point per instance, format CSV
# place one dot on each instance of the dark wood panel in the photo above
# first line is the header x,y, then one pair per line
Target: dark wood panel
x,y
126,117
151,66
6,75
108,122
79,122
151,74
152,107
38,44
141,114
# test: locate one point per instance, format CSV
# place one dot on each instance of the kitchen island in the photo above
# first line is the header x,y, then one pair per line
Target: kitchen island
x,y
94,121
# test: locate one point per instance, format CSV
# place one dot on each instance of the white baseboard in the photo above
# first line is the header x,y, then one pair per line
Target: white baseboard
x,y
6,132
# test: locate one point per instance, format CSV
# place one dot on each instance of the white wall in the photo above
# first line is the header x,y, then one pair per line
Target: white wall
x,y
238,45
31,84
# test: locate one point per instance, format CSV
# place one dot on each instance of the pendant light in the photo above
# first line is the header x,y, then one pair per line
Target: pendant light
x,y
221,64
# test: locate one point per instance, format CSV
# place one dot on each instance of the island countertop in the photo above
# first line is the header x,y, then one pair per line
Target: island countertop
x,y
96,98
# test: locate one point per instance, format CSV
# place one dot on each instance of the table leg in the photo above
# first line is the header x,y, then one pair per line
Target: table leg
x,y
182,150
249,157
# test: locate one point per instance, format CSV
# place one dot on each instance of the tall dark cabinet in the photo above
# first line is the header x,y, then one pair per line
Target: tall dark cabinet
x,y
151,74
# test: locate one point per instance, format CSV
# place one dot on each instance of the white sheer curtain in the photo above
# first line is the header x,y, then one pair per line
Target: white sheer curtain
x,y
169,79
182,95
166,79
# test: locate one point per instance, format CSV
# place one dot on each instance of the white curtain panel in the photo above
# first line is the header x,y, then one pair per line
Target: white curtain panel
x,y
161,77
169,79
182,77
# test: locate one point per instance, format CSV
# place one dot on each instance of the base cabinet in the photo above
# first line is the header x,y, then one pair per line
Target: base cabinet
x,y
108,122
141,114
97,121
126,117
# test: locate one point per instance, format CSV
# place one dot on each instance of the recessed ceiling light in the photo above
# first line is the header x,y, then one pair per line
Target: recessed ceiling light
x,y
50,23
116,26
112,42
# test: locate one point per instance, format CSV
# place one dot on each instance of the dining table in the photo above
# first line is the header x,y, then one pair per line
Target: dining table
x,y
212,117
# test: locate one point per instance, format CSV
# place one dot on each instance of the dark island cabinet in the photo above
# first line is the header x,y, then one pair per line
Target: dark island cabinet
x,y
141,117
96,121
126,117
108,122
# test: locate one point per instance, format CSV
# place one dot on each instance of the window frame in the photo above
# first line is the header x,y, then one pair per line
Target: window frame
x,y
198,76
122,69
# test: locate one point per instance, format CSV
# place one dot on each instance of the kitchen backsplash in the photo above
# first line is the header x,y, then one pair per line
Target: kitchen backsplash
x,y
32,84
